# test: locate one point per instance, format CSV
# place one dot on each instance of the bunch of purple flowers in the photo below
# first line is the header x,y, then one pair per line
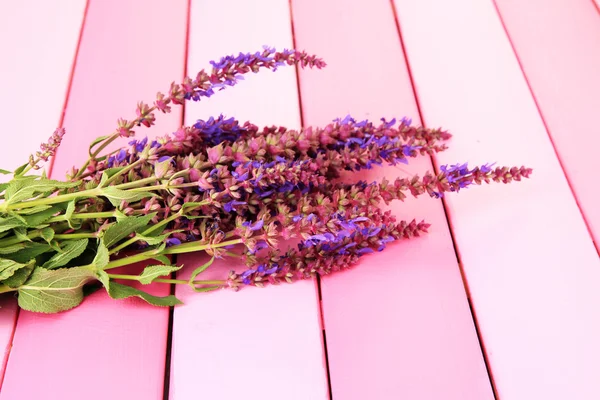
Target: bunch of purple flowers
x,y
226,188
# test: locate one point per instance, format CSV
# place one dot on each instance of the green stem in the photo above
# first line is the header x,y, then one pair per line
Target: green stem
x,y
106,142
81,235
96,192
6,289
154,227
160,280
91,215
178,249
122,172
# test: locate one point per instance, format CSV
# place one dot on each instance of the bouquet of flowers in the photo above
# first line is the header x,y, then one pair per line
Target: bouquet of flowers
x,y
226,188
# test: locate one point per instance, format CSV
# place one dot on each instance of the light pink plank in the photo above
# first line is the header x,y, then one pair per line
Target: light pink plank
x,y
34,96
561,59
37,45
257,343
105,348
399,324
532,270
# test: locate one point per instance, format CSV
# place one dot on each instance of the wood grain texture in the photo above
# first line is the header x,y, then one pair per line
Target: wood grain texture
x,y
398,325
33,34
532,270
105,348
560,57
257,343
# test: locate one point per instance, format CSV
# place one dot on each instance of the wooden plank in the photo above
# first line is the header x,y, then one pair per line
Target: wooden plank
x,y
257,343
561,60
532,270
105,348
49,40
400,322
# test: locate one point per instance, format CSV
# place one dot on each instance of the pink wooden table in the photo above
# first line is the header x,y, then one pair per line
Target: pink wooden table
x,y
500,301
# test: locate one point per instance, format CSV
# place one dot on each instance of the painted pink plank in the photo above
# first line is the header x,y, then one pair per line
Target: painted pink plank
x,y
50,40
257,343
532,270
400,322
105,348
561,60
35,71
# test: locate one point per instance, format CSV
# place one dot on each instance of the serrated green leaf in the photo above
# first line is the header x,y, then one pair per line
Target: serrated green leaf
x,y
41,216
31,250
8,268
115,196
71,250
20,276
152,272
33,210
121,229
12,248
10,223
3,186
47,234
118,291
5,172
102,258
21,233
19,190
54,291
200,269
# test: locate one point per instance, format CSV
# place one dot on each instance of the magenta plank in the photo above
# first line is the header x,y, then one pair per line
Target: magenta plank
x,y
399,324
105,348
530,264
561,59
48,37
257,343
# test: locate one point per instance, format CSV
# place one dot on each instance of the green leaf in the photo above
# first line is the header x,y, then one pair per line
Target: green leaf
x,y
47,234
69,213
200,269
3,186
115,196
152,272
121,229
72,249
118,291
102,256
19,190
19,170
152,240
33,210
109,173
31,250
20,276
161,258
5,172
54,291
41,216
8,268
104,278
10,223
96,141
12,248
21,233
